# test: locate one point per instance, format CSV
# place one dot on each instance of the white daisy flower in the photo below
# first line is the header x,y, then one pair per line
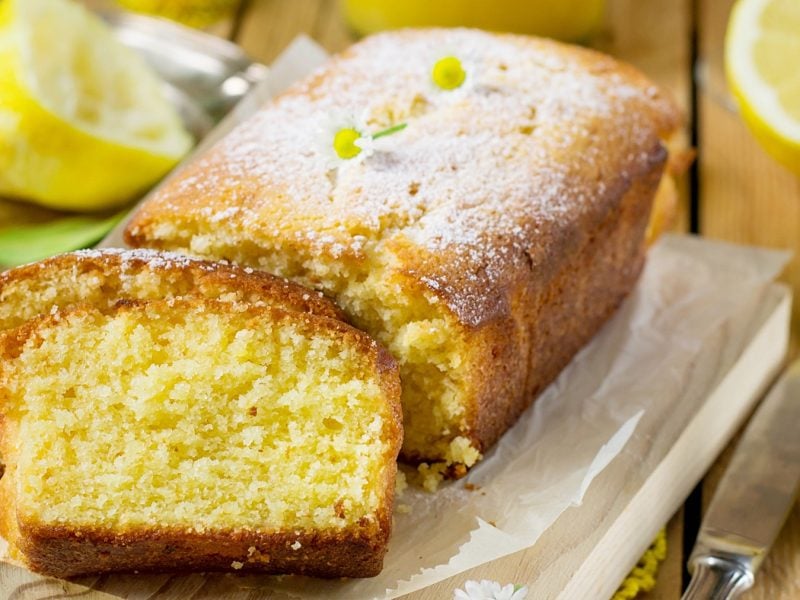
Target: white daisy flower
x,y
338,135
345,138
490,590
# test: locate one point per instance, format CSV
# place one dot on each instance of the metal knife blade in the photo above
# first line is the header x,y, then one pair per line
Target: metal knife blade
x,y
753,499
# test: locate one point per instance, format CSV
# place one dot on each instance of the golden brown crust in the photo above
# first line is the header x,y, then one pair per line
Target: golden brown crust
x,y
64,551
549,320
178,276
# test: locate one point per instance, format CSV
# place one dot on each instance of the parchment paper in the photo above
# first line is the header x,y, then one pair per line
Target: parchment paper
x,y
545,463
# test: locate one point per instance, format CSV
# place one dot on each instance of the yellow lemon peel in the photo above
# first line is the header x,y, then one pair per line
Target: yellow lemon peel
x,y
762,37
92,138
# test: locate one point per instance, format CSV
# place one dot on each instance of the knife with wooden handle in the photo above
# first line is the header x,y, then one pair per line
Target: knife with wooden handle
x,y
753,499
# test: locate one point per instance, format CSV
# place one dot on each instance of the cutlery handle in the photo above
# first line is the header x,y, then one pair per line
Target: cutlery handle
x,y
715,578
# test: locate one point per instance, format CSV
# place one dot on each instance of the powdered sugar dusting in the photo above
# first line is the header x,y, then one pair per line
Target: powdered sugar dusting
x,y
540,134
154,258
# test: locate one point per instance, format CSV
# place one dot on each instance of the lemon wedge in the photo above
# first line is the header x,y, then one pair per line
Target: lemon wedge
x,y
84,123
762,54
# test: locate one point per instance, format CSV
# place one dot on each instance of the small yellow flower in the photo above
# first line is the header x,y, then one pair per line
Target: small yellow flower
x,y
344,143
448,73
350,141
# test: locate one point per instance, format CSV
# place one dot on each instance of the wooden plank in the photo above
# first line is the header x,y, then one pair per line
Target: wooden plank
x,y
267,27
655,36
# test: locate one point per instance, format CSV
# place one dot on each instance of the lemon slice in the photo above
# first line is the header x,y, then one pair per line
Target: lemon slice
x,y
84,124
762,60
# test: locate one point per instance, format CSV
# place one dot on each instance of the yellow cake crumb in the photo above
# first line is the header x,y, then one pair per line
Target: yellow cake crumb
x,y
461,451
400,483
431,475
125,424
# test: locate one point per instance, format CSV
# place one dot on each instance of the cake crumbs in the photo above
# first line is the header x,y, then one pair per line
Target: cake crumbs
x,y
400,483
237,565
431,475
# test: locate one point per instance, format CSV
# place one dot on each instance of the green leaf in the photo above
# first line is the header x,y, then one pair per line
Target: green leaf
x,y
28,243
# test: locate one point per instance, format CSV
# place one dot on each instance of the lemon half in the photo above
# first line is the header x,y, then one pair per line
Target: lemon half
x,y
84,123
762,61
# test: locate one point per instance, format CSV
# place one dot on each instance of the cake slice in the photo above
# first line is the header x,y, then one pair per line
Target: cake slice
x,y
484,242
196,434
103,277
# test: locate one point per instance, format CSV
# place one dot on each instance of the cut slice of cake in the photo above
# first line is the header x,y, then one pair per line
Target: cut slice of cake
x,y
196,434
484,241
103,277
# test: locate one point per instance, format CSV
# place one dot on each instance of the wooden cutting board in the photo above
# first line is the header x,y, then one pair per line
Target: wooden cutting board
x,y
590,547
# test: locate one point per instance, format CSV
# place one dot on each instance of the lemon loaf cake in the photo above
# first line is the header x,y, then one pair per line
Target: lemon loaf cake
x,y
477,202
103,277
196,434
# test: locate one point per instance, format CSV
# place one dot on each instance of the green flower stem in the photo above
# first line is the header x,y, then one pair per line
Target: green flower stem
x,y
389,131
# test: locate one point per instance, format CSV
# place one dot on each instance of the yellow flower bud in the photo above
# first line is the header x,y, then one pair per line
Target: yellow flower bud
x,y
344,143
448,73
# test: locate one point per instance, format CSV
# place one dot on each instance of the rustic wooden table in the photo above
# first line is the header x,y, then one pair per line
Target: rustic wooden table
x,y
734,192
